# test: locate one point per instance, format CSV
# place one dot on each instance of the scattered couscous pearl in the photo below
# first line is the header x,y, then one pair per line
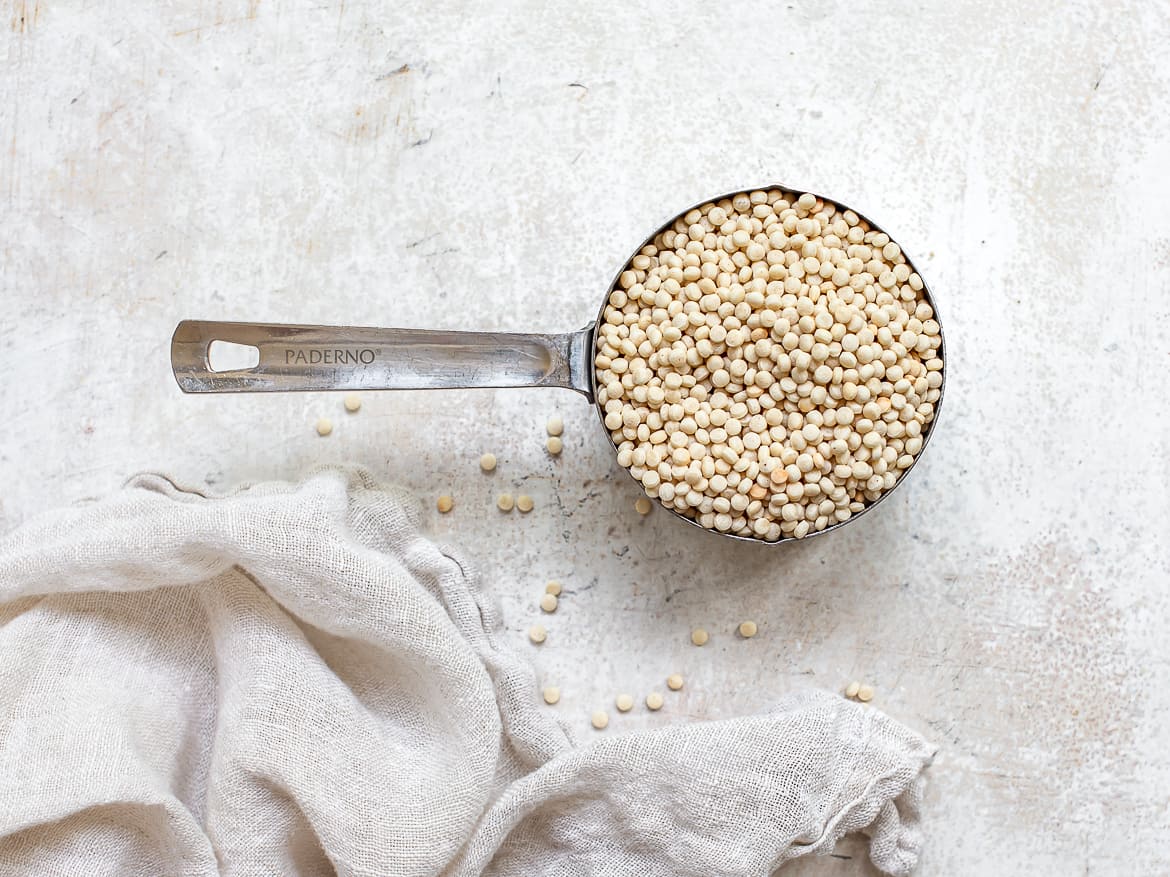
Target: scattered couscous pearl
x,y
852,688
537,633
445,503
699,636
553,588
624,703
548,602
505,502
768,365
487,462
554,445
353,403
324,426
642,505
552,694
524,502
555,426
653,701
674,682
748,629
599,720
865,694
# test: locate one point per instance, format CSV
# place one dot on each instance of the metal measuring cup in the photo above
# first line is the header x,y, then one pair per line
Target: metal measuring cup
x,y
312,358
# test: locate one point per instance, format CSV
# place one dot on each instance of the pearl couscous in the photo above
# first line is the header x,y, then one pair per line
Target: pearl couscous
x,y
768,365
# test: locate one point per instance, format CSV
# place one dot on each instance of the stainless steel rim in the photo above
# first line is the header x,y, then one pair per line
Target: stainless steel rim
x,y
927,295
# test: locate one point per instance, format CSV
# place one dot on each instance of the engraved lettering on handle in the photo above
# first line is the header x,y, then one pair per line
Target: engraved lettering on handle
x,y
329,356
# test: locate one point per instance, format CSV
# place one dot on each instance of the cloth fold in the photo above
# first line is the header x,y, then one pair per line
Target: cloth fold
x,y
293,679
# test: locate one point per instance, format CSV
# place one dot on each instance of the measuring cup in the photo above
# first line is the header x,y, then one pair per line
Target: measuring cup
x,y
310,358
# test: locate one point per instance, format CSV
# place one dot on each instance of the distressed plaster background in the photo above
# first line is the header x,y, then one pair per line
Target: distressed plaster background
x,y
490,166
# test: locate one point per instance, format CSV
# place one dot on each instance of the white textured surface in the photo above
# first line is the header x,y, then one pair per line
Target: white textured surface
x,y
458,166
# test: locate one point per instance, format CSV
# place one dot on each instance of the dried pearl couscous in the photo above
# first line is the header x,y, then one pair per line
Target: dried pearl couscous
x,y
537,633
768,365
554,445
653,701
445,503
599,720
324,426
548,602
699,636
553,588
624,703
524,503
674,681
552,695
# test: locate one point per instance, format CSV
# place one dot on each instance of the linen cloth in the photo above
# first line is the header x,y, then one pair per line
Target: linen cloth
x,y
293,680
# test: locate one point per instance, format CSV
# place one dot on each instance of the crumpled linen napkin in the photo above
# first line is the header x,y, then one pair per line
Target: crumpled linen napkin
x,y
293,680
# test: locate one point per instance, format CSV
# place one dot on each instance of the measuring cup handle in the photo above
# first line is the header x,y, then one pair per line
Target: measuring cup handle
x,y
295,358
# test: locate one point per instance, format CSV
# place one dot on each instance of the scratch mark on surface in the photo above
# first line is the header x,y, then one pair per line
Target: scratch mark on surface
x,y
425,140
109,114
199,29
404,69
422,240
160,255
12,164
20,23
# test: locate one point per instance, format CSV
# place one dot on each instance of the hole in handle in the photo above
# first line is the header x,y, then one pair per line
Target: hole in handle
x,y
227,356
